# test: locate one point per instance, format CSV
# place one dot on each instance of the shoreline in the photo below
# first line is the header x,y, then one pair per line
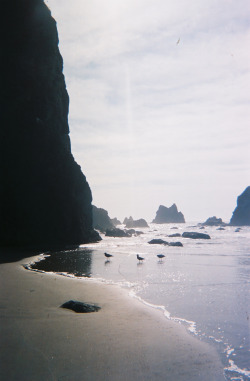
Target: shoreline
x,y
125,340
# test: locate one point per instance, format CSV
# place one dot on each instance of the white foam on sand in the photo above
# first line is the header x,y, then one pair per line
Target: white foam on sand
x,y
191,325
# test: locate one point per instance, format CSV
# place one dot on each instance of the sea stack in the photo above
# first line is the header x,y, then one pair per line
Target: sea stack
x,y
241,214
166,215
131,223
213,221
45,199
101,219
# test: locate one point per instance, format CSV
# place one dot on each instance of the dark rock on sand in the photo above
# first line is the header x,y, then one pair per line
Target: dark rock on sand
x,y
166,215
80,307
195,235
101,219
158,242
174,235
45,199
241,214
117,233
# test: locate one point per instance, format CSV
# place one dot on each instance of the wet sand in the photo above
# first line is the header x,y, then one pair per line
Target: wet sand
x,y
126,340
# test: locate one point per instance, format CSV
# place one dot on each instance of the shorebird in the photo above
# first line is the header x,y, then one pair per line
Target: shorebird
x,y
160,256
107,255
139,258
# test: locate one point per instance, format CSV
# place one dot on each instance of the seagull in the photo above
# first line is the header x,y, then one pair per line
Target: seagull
x,y
160,256
139,258
107,255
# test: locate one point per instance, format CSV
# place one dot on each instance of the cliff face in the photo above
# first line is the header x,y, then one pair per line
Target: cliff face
x,y
44,197
168,215
241,214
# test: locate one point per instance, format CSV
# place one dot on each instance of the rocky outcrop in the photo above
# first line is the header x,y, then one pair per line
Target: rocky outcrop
x,y
166,215
178,244
195,235
115,221
101,219
157,241
45,199
241,214
131,223
115,232
126,220
133,232
214,221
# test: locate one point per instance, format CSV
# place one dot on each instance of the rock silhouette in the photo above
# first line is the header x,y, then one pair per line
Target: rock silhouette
x,y
45,199
195,235
166,215
241,214
131,223
213,221
101,219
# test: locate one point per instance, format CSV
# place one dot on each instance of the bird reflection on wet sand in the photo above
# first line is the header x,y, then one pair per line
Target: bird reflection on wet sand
x,y
107,262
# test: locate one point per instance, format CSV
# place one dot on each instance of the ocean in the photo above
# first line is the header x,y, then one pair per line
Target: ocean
x,y
204,285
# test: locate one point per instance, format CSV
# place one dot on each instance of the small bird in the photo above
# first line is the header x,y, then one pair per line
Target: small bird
x,y
178,41
160,256
107,255
139,258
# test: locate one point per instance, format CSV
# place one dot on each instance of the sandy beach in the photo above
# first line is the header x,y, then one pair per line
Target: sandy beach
x,y
125,340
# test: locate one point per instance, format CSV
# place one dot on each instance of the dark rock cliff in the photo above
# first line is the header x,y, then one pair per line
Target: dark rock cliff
x,y
44,197
241,214
168,215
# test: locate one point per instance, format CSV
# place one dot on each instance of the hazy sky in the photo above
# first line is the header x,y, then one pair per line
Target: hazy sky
x,y
159,102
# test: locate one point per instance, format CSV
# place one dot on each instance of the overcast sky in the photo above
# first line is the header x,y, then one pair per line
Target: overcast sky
x,y
159,102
